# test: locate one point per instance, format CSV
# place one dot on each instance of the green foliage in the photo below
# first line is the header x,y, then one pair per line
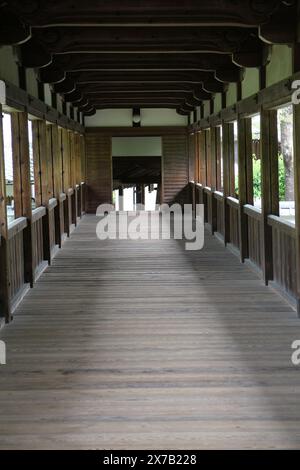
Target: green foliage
x,y
281,178
257,178
236,184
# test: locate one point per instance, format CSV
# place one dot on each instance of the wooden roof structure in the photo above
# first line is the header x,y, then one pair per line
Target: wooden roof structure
x,y
99,54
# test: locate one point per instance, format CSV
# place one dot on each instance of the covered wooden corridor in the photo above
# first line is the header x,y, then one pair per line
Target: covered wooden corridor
x,y
121,344
141,344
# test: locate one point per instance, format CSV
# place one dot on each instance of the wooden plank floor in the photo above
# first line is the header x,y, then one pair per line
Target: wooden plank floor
x,y
141,344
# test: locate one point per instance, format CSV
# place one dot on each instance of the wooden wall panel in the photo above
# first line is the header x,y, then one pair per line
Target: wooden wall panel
x,y
175,162
99,170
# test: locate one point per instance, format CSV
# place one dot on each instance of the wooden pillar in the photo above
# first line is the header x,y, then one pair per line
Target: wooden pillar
x,y
208,156
268,124
249,160
213,158
231,161
22,186
5,311
49,161
41,159
73,177
297,196
226,180
192,159
83,173
43,154
202,158
66,180
37,163
219,186
197,158
243,197
57,184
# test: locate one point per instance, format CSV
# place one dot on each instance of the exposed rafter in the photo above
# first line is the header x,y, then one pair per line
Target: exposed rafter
x,y
154,53
247,13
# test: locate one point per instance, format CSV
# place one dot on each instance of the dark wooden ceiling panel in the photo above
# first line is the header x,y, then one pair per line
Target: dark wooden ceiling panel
x,y
120,53
154,12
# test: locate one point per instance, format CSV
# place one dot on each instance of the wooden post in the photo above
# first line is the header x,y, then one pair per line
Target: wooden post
x,y
42,153
226,180
202,159
82,174
231,161
57,184
249,160
297,197
40,128
243,199
22,184
219,186
208,156
66,179
267,122
37,162
213,158
73,177
5,311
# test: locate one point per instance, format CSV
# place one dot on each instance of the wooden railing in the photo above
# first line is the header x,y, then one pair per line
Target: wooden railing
x,y
37,236
45,230
234,230
16,272
283,234
220,208
254,234
284,253
208,202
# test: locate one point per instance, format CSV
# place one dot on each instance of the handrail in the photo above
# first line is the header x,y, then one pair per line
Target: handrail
x,y
233,202
218,195
52,204
38,213
208,190
282,224
252,211
16,226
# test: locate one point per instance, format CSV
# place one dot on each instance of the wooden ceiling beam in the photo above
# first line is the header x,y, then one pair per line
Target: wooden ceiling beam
x,y
224,40
135,77
218,64
143,87
194,97
153,12
154,53
12,29
283,27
